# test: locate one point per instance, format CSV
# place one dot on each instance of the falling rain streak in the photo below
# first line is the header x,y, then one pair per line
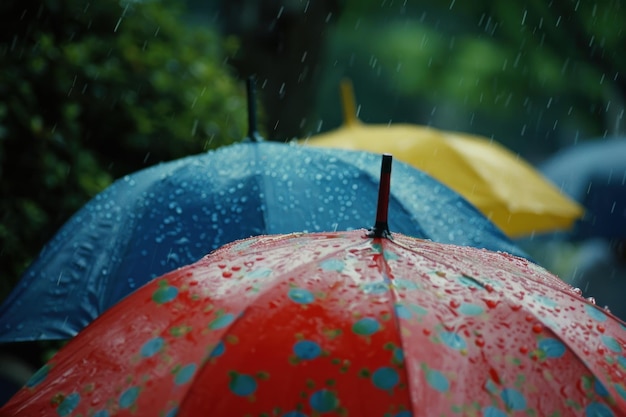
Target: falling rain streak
x,y
119,21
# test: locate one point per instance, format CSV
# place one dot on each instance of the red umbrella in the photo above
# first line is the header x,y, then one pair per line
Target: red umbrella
x,y
341,324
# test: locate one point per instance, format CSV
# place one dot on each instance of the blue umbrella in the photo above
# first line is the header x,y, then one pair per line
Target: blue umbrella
x,y
172,214
594,174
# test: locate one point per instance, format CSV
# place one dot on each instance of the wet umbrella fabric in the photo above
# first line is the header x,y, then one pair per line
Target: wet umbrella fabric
x,y
506,188
170,215
351,325
594,174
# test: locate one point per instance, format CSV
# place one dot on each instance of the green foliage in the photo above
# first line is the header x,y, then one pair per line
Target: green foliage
x,y
529,73
476,71
90,92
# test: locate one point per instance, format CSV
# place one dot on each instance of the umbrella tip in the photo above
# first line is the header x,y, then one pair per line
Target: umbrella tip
x,y
348,102
381,227
253,134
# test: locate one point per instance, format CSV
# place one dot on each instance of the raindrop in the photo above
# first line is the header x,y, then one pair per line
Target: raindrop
x,y
492,303
119,21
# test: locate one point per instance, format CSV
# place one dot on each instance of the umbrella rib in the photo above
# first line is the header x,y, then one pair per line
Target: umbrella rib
x,y
427,254
393,301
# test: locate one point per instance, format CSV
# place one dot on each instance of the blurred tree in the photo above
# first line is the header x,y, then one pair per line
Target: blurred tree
x,y
532,74
92,91
283,44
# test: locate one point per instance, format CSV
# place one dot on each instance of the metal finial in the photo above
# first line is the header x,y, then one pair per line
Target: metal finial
x,y
381,227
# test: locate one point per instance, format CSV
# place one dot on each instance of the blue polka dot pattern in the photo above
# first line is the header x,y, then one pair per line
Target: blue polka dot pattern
x,y
323,401
152,346
385,378
68,404
366,326
301,296
128,397
307,349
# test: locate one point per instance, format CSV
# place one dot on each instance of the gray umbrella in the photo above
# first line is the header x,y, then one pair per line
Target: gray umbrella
x,y
594,174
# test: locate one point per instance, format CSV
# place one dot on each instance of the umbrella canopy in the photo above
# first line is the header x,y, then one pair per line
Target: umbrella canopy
x,y
594,174
341,323
507,189
169,215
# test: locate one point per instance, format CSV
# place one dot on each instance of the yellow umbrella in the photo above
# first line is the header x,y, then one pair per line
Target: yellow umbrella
x,y
507,189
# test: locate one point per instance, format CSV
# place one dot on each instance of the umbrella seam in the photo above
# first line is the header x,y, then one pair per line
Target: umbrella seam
x,y
426,254
394,300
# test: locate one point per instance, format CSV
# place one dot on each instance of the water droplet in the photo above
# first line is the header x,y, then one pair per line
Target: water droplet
x,y
492,303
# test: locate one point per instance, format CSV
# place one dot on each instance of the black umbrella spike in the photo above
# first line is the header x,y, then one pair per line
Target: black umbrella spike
x,y
381,227
253,134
